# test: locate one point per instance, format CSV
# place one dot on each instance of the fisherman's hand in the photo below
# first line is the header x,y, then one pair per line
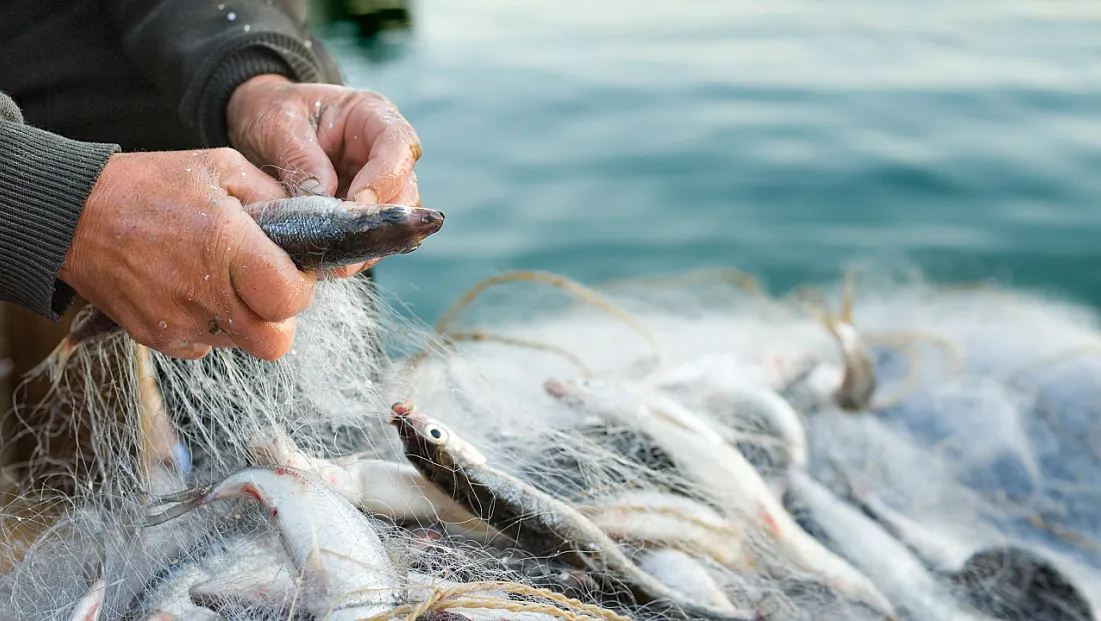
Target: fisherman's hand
x,y
165,249
327,139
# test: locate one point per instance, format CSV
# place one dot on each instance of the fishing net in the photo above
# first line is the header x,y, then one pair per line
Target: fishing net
x,y
692,419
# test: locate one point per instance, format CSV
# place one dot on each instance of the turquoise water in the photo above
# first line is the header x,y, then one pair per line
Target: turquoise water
x,y
787,138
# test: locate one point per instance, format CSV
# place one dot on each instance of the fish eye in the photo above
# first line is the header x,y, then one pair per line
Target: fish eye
x,y
435,433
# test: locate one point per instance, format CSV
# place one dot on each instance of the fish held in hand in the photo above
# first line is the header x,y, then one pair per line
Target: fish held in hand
x,y
539,523
317,232
320,232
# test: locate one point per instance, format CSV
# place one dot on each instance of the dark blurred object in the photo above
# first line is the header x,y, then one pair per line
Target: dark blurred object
x,y
1018,585
370,17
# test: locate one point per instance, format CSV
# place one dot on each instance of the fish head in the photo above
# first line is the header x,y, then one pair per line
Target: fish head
x,y
628,404
424,221
429,442
271,445
401,228
618,402
591,395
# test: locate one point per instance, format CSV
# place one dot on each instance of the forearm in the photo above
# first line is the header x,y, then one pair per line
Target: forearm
x,y
198,53
44,181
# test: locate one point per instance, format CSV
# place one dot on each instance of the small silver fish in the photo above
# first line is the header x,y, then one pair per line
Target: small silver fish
x,y
671,521
240,563
320,232
891,565
703,456
396,490
541,524
686,575
727,399
346,572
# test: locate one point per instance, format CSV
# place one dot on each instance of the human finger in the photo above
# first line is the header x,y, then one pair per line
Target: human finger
x,y
263,276
410,194
212,334
266,340
389,164
346,271
242,180
184,350
288,140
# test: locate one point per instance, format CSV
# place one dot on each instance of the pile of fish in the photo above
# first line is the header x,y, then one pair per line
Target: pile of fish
x,y
731,484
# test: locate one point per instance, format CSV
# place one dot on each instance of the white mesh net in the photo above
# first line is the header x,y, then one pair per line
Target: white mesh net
x,y
672,448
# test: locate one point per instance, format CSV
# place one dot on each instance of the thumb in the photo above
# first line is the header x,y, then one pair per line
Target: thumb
x,y
299,159
263,275
247,183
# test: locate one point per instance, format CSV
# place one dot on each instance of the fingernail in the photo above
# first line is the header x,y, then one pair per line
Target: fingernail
x,y
310,186
366,196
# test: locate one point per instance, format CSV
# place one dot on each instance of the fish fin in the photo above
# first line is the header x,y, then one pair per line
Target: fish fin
x,y
315,577
249,590
188,500
314,573
314,562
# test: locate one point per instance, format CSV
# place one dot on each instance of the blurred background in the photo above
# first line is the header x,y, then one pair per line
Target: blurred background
x,y
787,138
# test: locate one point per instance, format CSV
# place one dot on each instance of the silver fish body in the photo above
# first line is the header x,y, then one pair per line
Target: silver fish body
x,y
346,571
233,570
702,456
670,521
686,575
731,402
541,524
891,565
320,232
396,490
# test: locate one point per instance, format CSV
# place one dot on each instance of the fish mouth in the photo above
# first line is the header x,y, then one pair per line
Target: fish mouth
x,y
404,417
427,221
556,388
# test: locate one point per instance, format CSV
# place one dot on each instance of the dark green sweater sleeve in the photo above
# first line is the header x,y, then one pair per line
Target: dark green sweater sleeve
x,y
197,53
44,181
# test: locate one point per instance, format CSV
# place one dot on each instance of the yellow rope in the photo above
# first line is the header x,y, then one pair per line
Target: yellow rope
x,y
441,598
553,280
483,336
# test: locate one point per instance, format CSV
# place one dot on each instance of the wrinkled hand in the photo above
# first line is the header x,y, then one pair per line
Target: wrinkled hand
x,y
327,139
165,249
